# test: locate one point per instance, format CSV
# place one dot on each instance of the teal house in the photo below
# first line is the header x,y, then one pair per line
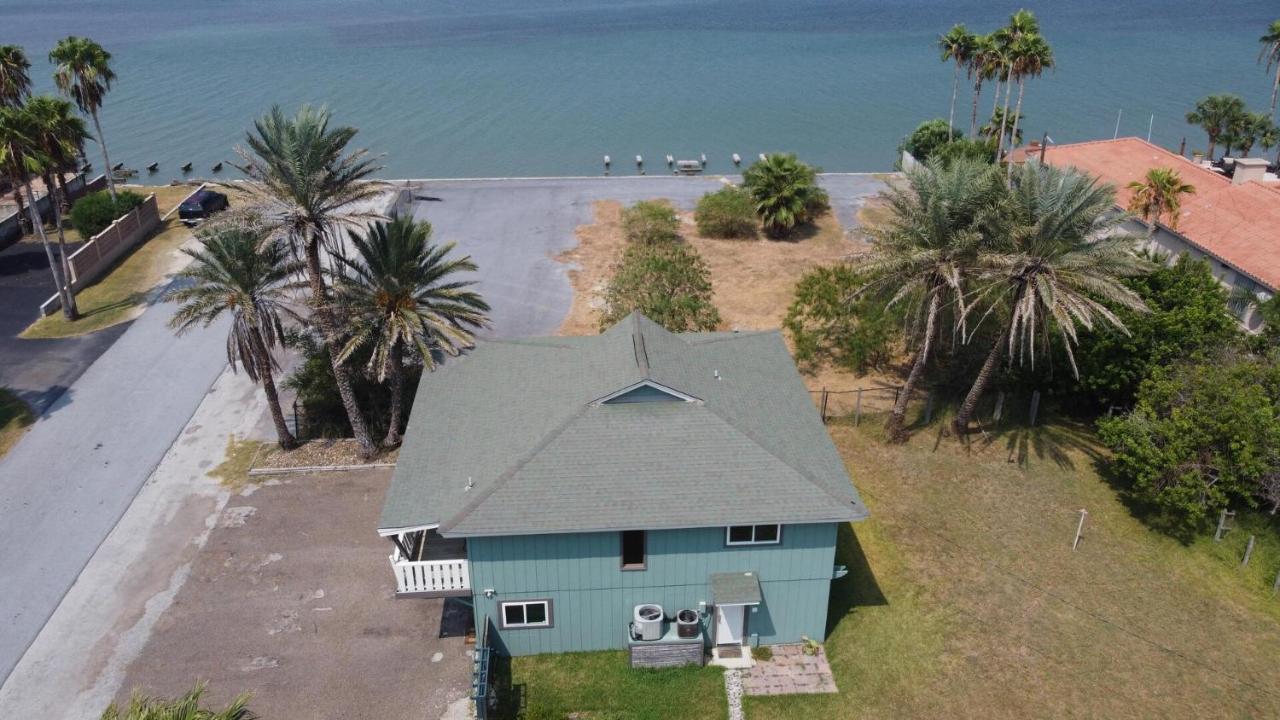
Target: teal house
x,y
674,494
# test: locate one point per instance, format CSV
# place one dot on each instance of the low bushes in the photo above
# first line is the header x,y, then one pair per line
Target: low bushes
x,y
726,213
828,324
668,282
650,222
94,212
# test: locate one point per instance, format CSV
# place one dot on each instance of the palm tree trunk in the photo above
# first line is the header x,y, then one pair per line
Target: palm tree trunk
x,y
1213,142
1004,118
960,424
1275,89
973,117
1013,134
894,428
69,309
397,397
285,438
102,143
995,102
955,88
23,220
328,327
33,209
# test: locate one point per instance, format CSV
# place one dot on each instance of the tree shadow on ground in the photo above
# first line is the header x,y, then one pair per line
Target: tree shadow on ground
x,y
859,588
1057,442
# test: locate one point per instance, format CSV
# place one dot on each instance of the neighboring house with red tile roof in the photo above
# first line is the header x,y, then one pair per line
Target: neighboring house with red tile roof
x,y
1235,222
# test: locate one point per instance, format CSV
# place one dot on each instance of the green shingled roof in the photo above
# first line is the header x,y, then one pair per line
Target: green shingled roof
x,y
513,438
741,588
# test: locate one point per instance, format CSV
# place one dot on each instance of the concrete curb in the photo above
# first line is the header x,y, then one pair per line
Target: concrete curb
x,y
308,469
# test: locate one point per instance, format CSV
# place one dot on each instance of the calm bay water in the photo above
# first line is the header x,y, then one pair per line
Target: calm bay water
x,y
519,87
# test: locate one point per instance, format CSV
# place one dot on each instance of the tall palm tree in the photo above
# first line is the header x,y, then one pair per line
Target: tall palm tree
x,y
82,71
981,69
239,271
1062,260
1271,53
1008,39
958,46
15,83
1158,197
785,192
15,86
1252,126
21,159
1215,114
60,135
187,707
991,129
399,296
926,253
1031,57
304,182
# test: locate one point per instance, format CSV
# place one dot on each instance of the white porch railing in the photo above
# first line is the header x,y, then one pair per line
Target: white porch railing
x,y
430,576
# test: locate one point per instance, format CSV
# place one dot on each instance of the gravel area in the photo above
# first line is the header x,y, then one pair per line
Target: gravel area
x,y
733,691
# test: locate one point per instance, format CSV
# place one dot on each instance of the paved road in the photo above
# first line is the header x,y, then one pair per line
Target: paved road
x,y
38,371
66,484
514,228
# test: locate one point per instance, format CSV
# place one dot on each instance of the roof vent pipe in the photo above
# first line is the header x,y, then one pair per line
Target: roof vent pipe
x,y
716,373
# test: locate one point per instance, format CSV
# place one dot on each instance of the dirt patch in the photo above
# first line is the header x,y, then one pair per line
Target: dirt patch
x,y
753,280
321,453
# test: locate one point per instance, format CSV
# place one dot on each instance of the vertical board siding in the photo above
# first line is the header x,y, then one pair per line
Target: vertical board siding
x,y
593,597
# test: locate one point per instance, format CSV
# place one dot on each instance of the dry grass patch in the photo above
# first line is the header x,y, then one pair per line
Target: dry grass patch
x,y
321,453
753,280
15,418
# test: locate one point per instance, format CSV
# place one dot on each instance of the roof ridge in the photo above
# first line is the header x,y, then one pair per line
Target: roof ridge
x,y
510,472
841,502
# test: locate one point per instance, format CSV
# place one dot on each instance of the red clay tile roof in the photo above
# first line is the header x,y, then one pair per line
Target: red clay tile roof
x,y
1239,224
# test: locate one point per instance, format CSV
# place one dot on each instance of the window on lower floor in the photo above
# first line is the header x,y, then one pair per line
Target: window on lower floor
x,y
753,534
526,613
633,550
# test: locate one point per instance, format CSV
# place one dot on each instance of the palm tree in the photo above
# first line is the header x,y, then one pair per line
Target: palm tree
x,y
1159,196
15,84
1251,127
398,296
1215,114
925,253
60,135
239,271
83,73
958,46
304,183
1061,261
981,69
187,707
991,129
1031,57
1271,53
21,158
785,192
1008,39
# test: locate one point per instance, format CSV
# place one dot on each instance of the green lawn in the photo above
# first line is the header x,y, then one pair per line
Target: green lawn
x,y
15,418
965,593
602,686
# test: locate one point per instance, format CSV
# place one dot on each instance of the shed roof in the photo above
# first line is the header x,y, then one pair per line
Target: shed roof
x,y
740,588
513,438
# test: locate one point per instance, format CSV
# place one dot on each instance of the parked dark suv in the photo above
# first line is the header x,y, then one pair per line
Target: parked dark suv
x,y
201,205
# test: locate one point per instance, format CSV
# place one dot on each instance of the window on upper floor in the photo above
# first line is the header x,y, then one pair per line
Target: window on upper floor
x,y
633,557
526,614
753,534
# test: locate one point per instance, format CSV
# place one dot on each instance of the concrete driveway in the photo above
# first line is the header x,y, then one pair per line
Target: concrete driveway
x,y
292,599
514,229
39,370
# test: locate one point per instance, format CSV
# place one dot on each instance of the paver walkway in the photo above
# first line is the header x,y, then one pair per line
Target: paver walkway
x,y
790,672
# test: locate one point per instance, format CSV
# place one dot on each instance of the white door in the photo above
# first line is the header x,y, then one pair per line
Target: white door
x,y
729,624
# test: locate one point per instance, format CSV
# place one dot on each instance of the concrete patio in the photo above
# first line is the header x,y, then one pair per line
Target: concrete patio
x,y
789,672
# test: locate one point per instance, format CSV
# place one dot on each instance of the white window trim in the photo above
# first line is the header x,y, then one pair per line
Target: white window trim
x,y
502,612
675,394
752,541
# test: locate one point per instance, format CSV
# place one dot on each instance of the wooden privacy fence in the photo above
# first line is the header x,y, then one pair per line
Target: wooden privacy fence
x,y
96,256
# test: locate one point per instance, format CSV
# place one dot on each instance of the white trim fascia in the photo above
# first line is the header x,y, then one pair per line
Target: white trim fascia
x,y
388,532
646,383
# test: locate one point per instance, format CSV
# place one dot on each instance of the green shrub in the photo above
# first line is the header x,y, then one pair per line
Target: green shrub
x,y
785,192
668,282
827,323
94,212
764,653
650,222
966,149
927,138
726,213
